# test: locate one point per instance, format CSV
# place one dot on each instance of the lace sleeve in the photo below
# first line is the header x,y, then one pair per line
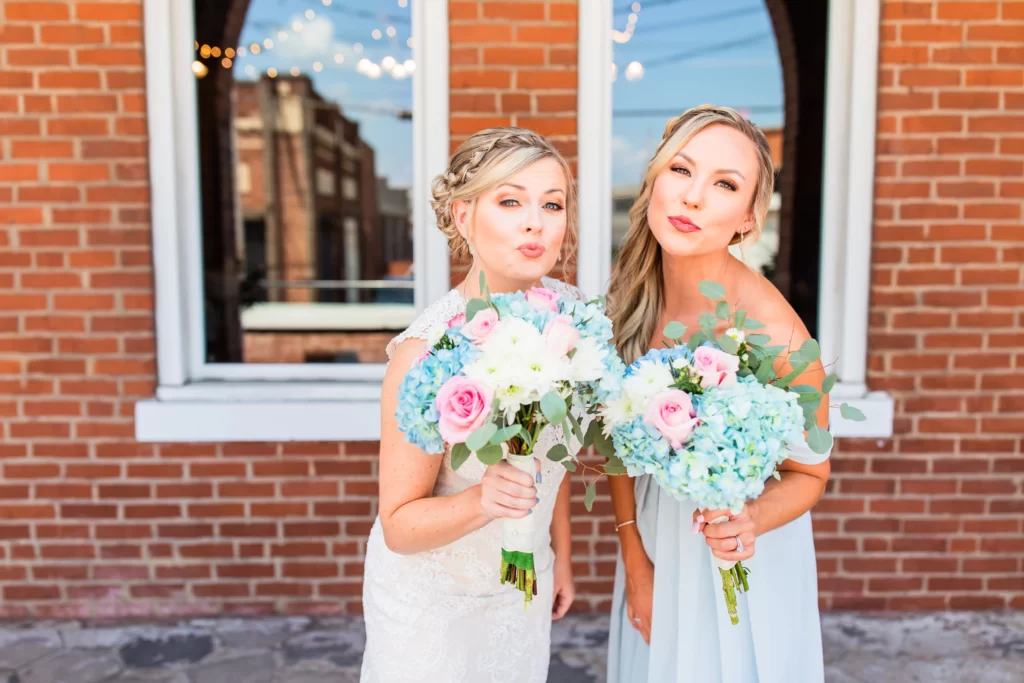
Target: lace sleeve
x,y
564,288
803,454
431,321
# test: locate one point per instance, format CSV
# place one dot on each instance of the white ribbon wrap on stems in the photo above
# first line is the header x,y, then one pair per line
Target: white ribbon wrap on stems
x,y
517,534
724,565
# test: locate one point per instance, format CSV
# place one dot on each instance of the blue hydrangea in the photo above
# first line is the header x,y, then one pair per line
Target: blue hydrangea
x,y
741,438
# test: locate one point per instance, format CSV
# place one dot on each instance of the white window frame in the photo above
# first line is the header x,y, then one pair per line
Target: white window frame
x,y
848,192
199,401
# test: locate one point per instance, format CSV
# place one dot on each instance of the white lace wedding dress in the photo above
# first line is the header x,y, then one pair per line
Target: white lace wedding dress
x,y
443,616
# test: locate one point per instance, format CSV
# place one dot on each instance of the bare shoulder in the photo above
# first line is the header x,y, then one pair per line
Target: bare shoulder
x,y
765,303
403,357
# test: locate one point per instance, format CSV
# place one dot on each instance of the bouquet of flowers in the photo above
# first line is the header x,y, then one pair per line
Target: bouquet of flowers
x,y
500,374
710,419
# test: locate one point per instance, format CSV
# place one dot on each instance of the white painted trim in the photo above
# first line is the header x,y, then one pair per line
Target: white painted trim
x,y
176,213
221,421
594,133
431,136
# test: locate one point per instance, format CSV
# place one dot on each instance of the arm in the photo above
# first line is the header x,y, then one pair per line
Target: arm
x,y
639,568
412,519
784,500
564,591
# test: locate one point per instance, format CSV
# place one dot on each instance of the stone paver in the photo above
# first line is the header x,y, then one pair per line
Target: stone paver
x,y
925,648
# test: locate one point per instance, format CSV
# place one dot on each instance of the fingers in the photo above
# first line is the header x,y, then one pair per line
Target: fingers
x,y
509,473
730,529
734,556
641,624
563,601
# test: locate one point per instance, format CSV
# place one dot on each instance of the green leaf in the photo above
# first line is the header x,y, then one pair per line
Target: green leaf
x,y
504,434
460,452
819,440
774,351
489,455
475,306
708,323
797,371
480,437
553,407
740,318
765,371
577,431
796,358
592,432
810,423
809,410
728,344
751,324
558,452
614,466
696,340
483,282
810,351
828,384
758,339
851,413
712,290
590,495
603,445
569,464
722,310
802,388
675,330
812,397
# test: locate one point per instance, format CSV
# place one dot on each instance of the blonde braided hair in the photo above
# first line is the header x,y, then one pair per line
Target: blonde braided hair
x,y
485,160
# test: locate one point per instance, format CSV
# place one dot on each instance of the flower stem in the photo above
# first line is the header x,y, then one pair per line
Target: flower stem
x,y
729,589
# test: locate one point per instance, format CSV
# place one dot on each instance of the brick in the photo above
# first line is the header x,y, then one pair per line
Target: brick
x,y
467,125
476,34
995,124
546,34
459,11
41,149
11,173
108,56
993,78
514,56
38,56
979,145
78,127
906,10
966,11
71,34
969,99
479,78
514,10
993,33
931,33
546,80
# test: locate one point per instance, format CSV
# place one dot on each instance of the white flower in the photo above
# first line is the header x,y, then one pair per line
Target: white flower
x,y
745,358
680,363
434,335
738,335
649,379
511,337
618,411
588,361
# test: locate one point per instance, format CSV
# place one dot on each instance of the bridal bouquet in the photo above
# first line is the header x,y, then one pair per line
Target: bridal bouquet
x,y
710,419
502,373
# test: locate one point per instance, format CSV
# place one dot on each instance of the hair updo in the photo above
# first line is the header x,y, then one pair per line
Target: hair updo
x,y
485,160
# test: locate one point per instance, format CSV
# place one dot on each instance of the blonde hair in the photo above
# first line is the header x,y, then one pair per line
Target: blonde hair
x,y
636,291
485,160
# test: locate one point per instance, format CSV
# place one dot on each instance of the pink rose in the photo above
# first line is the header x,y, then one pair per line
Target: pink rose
x,y
671,413
561,336
457,320
464,405
543,299
716,368
481,326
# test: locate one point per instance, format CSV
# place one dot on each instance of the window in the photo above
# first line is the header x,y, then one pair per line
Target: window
x,y
806,77
290,152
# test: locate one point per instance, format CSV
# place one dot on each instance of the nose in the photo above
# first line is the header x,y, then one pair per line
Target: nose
x,y
693,195
532,222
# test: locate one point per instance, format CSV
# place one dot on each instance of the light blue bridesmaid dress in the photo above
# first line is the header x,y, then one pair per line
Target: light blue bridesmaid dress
x,y
778,638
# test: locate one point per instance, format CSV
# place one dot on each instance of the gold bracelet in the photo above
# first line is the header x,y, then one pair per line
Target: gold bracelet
x,y
629,521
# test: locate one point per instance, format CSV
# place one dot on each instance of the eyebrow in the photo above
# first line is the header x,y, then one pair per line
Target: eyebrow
x,y
523,189
721,170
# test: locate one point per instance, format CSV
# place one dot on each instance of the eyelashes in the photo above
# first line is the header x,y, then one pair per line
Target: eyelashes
x,y
721,183
550,206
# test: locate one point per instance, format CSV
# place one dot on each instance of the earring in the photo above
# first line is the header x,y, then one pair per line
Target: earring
x,y
472,251
559,256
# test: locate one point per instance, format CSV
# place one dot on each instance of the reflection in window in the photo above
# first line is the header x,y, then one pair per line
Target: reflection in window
x,y
306,172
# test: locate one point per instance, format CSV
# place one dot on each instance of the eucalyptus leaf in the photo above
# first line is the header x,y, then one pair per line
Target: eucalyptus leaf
x,y
751,324
810,423
696,340
712,290
592,431
504,434
475,306
809,410
828,384
813,397
708,323
774,351
802,388
614,466
577,431
590,495
728,344
765,371
483,282
810,350
489,455
758,339
603,445
741,316
796,358
481,436
797,371
722,310
558,452
553,407
675,330
569,464
851,413
819,440
460,452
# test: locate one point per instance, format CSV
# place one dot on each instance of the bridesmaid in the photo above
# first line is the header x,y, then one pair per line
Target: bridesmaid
x,y
708,187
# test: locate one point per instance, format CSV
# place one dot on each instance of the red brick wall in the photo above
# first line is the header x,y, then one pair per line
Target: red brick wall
x,y
932,518
93,523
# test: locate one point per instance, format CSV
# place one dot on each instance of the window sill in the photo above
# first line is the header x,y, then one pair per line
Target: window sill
x,y
213,412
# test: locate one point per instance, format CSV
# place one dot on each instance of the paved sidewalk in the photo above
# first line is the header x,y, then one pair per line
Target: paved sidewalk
x,y
937,648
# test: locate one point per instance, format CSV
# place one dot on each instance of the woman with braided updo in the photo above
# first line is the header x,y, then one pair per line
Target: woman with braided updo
x,y
709,186
434,608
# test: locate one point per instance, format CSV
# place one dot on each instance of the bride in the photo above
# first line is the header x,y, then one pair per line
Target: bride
x,y
434,608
